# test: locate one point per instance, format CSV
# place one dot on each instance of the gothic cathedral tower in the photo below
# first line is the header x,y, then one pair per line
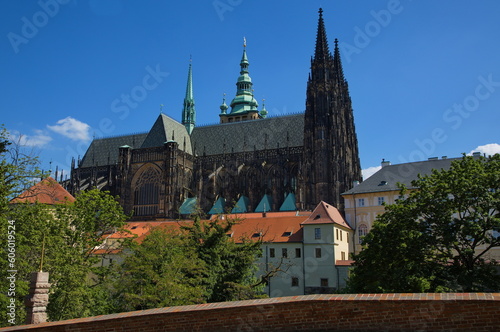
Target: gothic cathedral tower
x,y
331,160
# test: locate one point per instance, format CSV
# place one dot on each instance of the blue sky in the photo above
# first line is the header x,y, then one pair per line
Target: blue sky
x,y
424,76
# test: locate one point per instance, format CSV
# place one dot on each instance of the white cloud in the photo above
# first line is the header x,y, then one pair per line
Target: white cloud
x,y
367,172
39,139
488,149
72,128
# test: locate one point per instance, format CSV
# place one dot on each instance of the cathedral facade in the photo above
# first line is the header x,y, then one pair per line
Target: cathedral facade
x,y
247,163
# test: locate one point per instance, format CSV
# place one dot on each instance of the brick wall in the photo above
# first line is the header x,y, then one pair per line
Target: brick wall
x,y
452,312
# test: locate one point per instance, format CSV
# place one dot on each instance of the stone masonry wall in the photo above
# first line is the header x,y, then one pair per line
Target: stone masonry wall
x,y
451,312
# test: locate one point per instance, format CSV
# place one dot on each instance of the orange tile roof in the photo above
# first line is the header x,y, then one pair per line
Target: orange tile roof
x,y
47,191
270,229
344,262
325,213
276,227
268,214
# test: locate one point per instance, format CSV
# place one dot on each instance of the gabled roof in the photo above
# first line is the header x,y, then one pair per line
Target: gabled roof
x,y
265,204
167,129
325,213
219,206
189,206
244,136
241,205
47,191
387,177
104,151
289,203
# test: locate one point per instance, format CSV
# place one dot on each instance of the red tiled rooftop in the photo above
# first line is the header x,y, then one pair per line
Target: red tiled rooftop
x,y
47,191
325,213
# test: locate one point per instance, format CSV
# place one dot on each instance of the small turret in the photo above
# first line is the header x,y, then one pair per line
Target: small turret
x,y
263,111
223,107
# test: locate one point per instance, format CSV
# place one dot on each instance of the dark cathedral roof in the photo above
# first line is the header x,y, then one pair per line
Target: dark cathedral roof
x,y
104,151
167,129
259,134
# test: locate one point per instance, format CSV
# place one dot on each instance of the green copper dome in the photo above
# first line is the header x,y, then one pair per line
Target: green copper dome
x,y
244,100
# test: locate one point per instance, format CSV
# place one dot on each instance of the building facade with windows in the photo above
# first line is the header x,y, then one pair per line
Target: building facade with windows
x,y
302,252
248,163
365,201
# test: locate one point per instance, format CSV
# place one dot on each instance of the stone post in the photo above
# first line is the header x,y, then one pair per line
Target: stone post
x,y
38,298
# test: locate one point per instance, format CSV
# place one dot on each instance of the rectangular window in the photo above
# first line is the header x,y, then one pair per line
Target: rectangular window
x,y
271,252
284,253
324,282
341,235
381,200
342,254
298,253
337,234
361,202
317,233
318,252
295,282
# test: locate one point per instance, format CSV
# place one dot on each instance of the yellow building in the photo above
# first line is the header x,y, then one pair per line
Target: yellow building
x,y
365,201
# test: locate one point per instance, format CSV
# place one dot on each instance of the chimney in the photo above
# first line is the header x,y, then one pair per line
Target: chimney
x,y
38,298
385,163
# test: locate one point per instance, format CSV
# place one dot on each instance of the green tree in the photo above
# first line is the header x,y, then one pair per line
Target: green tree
x,y
440,237
17,171
75,270
230,266
162,270
68,235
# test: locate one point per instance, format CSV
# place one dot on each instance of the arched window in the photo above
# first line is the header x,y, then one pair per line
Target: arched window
x,y
147,193
362,231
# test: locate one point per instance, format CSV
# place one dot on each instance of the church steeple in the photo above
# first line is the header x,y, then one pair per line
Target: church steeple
x,y
189,112
243,106
322,51
330,141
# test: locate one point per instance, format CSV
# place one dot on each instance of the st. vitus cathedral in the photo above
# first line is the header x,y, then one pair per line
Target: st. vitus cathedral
x,y
247,163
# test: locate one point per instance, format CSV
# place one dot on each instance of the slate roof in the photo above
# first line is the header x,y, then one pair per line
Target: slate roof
x,y
166,129
104,151
387,177
244,136
47,191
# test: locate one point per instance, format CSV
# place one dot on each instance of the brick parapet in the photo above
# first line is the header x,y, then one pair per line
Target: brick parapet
x,y
455,312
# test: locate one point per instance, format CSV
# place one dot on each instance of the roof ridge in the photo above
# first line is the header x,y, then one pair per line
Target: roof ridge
x,y
125,135
250,121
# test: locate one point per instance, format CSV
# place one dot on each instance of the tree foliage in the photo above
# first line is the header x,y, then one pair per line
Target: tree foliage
x,y
192,264
439,238
160,271
59,240
230,266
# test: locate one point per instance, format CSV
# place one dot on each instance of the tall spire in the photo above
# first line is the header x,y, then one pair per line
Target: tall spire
x,y
330,142
189,112
322,51
337,64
